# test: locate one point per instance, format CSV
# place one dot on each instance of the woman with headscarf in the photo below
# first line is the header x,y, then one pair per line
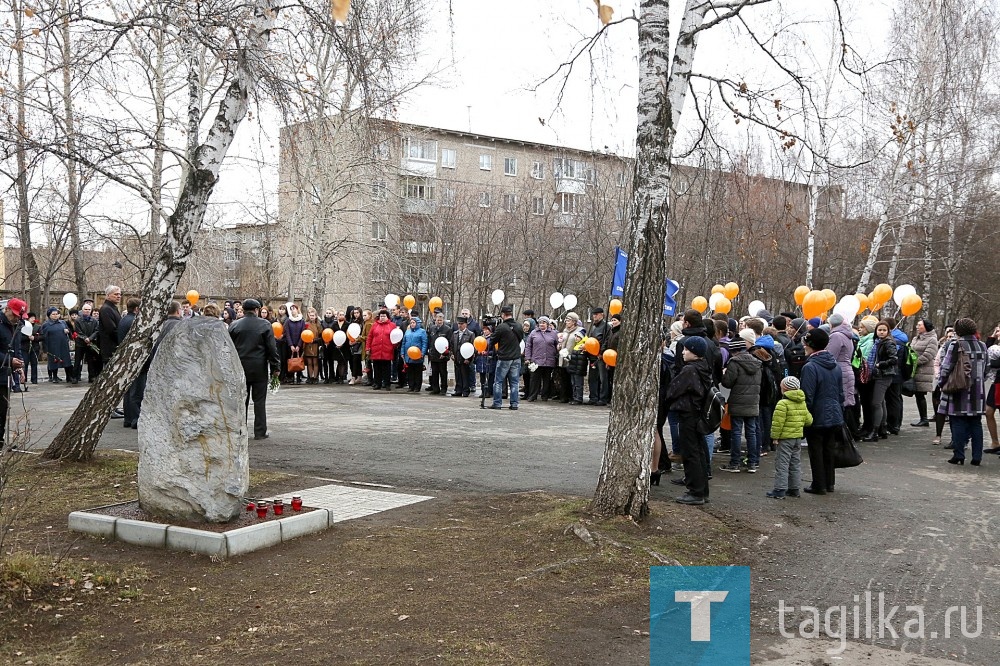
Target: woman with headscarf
x,y
572,369
294,326
925,344
55,336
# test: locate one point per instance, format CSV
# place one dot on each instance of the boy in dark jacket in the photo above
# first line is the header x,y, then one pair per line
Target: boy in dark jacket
x,y
821,382
685,395
742,375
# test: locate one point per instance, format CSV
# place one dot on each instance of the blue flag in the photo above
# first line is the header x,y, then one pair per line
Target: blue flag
x,y
618,284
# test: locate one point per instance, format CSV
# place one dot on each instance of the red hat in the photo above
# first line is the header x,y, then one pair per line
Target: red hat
x,y
18,307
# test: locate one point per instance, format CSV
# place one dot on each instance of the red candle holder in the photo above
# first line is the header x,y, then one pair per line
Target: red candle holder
x,y
296,503
279,507
251,507
262,510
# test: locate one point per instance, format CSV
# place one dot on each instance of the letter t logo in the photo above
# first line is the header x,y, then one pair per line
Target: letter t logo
x,y
701,611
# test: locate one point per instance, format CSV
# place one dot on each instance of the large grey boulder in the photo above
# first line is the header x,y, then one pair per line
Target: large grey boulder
x,y
193,456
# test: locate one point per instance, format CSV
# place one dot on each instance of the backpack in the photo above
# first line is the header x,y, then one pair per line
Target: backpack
x,y
911,362
710,414
795,358
769,391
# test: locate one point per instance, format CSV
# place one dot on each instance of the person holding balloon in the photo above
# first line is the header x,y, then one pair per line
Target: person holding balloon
x,y
611,344
462,342
571,369
381,350
439,353
541,349
310,345
415,344
355,322
598,371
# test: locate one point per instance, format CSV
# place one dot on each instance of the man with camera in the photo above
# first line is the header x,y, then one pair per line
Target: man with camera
x,y
10,354
507,338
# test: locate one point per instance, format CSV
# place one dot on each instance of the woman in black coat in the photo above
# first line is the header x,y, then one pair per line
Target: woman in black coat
x,y
55,335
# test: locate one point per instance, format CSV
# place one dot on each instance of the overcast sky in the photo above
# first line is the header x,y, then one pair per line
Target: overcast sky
x,y
490,56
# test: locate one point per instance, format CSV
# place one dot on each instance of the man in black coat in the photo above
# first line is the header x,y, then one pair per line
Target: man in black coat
x,y
439,361
507,338
108,322
137,391
255,345
87,346
598,376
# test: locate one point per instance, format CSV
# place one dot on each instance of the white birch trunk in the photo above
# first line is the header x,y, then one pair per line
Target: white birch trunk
x,y
623,485
79,437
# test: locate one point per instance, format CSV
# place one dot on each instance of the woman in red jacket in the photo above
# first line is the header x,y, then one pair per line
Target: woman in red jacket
x,y
380,350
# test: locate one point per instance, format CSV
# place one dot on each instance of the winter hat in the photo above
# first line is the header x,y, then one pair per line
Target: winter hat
x,y
928,326
815,322
696,345
748,335
836,319
870,323
791,383
543,318
733,326
676,330
799,325
48,313
766,316
817,339
765,341
18,307
825,327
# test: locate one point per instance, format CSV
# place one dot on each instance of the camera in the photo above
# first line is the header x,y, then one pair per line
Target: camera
x,y
491,321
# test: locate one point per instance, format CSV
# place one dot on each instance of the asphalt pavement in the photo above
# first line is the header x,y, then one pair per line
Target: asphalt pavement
x,y
906,525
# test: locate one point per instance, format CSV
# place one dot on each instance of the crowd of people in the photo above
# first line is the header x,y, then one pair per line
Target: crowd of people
x,y
792,383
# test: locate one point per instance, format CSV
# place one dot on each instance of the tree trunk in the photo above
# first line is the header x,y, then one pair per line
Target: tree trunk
x,y
72,173
82,431
811,242
28,263
623,485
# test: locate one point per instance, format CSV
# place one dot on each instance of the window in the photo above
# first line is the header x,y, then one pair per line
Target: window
x,y
448,197
232,253
538,205
380,230
591,175
509,202
619,214
537,170
380,191
567,168
568,203
622,179
416,187
449,158
424,150
484,200
380,151
486,162
510,166
447,274
380,269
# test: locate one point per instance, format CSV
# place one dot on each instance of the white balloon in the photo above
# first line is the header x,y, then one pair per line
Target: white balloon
x,y
497,296
755,308
522,346
556,299
848,307
391,300
354,330
339,338
901,292
70,300
441,344
569,302
467,350
714,300
396,335
27,328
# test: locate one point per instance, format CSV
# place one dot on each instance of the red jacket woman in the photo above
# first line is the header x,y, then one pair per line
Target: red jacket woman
x,y
378,344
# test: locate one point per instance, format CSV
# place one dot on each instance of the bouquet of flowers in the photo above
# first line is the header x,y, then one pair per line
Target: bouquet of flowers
x,y
274,384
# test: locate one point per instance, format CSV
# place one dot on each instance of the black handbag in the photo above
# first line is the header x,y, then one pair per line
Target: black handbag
x,y
846,453
909,387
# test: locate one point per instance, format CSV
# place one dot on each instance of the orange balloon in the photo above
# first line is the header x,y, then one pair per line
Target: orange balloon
x,y
883,293
723,305
699,303
409,301
592,345
732,290
192,297
278,329
831,298
414,353
814,304
718,289
615,307
911,305
610,358
863,300
327,335
435,303
479,343
307,336
800,294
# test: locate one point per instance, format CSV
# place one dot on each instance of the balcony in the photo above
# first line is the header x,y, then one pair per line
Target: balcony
x,y
419,206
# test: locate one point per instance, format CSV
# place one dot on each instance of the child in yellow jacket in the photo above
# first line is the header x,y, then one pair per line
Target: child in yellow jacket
x,y
790,416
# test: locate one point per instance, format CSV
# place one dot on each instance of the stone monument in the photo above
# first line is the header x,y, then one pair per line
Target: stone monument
x,y
194,462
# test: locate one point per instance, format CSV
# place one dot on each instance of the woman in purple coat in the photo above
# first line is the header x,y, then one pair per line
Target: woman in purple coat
x,y
841,347
541,347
